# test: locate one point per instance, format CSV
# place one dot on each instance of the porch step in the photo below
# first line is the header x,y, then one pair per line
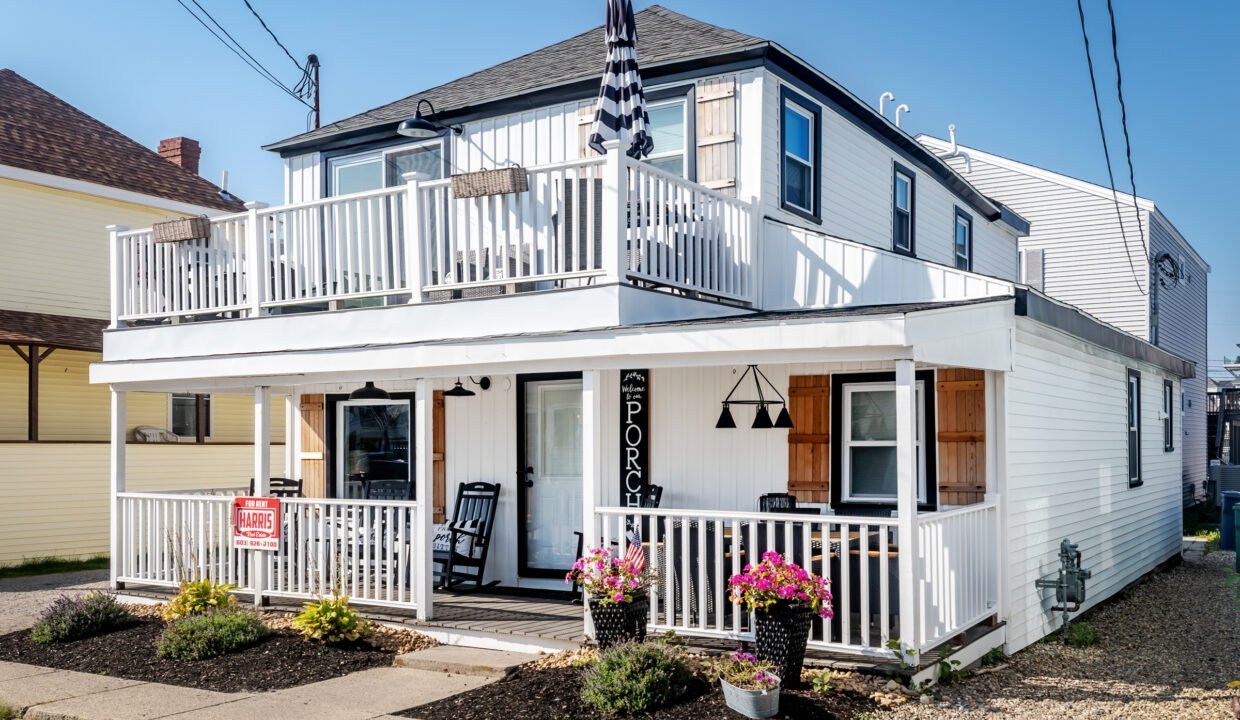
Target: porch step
x,y
465,661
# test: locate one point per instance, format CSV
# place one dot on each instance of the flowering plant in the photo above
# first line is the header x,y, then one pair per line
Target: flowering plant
x,y
775,580
612,580
742,670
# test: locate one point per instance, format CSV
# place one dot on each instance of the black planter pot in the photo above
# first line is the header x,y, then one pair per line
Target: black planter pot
x,y
781,631
615,623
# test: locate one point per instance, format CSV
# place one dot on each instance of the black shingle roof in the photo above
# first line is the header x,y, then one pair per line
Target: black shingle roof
x,y
663,36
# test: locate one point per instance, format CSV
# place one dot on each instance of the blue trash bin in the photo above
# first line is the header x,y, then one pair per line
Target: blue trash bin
x,y
1227,523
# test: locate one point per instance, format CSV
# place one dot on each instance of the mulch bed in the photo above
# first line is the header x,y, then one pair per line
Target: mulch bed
x,y
533,694
281,660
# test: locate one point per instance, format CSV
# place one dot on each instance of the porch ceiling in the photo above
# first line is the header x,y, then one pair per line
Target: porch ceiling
x,y
972,334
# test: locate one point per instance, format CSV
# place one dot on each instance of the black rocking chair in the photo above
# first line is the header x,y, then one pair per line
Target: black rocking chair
x,y
474,502
281,487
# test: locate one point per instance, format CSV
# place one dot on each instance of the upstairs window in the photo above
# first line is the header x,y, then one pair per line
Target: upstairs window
x,y
1168,412
1134,428
902,193
799,132
356,174
963,245
183,414
667,129
384,168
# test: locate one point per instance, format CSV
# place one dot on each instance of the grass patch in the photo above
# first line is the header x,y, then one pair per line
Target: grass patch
x,y
7,711
1082,635
49,565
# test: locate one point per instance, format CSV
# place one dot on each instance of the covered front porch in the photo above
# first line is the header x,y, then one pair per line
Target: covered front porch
x,y
892,460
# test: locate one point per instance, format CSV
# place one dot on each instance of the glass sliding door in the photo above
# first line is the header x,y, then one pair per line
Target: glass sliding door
x,y
372,449
551,509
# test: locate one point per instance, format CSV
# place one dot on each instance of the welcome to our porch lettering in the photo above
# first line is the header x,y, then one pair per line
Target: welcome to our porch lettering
x,y
634,442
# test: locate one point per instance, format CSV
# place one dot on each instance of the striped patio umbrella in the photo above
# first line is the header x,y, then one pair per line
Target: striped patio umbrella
x,y
621,112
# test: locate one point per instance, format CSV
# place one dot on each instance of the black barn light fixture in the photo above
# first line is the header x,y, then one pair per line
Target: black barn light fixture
x,y
369,392
460,390
762,419
421,128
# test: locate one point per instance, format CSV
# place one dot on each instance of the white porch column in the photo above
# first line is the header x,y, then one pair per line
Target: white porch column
x,y
906,497
591,444
257,266
292,434
118,276
615,212
262,441
413,234
423,472
116,461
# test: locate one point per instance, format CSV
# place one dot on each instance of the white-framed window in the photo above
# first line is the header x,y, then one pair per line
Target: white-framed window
x,y
963,240
667,129
868,456
1168,412
902,192
183,414
1134,428
799,155
384,168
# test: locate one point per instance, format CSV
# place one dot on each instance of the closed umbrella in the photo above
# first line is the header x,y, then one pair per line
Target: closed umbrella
x,y
621,113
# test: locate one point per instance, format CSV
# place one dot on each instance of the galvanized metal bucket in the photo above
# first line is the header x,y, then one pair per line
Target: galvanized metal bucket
x,y
751,703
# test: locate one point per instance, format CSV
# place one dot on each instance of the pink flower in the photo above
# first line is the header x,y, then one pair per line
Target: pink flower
x,y
618,597
787,591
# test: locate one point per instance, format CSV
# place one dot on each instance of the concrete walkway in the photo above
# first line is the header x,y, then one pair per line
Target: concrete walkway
x,y
23,598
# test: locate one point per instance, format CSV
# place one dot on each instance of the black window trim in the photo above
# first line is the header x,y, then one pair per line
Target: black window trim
x,y
1134,480
955,220
1169,422
896,170
786,96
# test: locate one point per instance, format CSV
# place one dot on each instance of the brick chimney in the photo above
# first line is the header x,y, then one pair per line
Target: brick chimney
x,y
182,151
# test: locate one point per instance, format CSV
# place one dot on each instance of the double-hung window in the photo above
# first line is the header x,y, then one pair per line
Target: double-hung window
x,y
903,191
963,240
183,414
800,154
667,129
1168,412
868,455
1134,428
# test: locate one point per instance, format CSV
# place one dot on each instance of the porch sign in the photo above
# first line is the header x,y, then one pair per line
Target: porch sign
x,y
634,436
256,523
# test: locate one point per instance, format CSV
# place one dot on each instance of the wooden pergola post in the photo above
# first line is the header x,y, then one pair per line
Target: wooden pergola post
x,y
32,356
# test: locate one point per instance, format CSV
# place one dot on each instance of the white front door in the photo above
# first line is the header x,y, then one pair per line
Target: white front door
x,y
552,510
372,449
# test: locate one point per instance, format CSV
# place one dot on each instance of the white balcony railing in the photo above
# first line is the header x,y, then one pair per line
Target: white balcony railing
x,y
609,217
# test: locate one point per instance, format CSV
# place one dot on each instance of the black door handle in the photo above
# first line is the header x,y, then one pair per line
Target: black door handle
x,y
527,481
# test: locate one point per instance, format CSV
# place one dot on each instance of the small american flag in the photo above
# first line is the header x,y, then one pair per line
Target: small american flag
x,y
635,555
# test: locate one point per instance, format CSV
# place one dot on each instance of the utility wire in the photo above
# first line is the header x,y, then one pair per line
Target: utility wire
x,y
1136,278
240,47
272,34
240,51
1123,116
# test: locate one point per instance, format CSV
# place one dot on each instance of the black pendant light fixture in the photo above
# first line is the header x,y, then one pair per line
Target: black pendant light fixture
x,y
762,419
369,392
421,128
459,390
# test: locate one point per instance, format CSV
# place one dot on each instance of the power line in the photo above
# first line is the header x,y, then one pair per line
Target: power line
x,y
272,34
240,51
240,47
1123,116
1080,9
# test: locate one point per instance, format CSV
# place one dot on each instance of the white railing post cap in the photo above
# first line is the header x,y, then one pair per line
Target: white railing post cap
x,y
613,144
117,228
256,205
415,176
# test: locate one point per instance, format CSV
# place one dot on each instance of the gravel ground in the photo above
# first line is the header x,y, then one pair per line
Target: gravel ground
x,y
1167,649
23,598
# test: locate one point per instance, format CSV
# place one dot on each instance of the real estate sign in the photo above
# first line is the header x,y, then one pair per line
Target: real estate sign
x,y
256,523
634,436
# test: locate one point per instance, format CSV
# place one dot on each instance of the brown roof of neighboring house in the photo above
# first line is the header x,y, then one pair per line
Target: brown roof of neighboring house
x,y
41,132
61,331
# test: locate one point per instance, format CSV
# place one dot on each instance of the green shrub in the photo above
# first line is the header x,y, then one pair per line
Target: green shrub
x,y
631,679
331,620
7,711
1082,635
198,637
70,618
198,597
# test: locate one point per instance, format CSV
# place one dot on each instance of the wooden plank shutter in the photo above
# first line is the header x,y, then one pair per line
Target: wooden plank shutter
x,y
961,402
313,460
809,440
716,134
439,468
585,120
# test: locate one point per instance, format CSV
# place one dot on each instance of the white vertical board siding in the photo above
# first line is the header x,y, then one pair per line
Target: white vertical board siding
x,y
1182,330
1085,261
1067,475
534,137
303,178
856,193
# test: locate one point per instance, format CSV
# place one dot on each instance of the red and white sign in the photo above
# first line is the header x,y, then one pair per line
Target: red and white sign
x,y
256,523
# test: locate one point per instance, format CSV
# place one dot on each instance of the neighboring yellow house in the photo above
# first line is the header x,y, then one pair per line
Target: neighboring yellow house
x,y
64,177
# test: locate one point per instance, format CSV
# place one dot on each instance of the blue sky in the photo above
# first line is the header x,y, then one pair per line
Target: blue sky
x,y
1012,77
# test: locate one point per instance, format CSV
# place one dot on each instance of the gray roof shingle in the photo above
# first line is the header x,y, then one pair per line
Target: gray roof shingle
x,y
663,36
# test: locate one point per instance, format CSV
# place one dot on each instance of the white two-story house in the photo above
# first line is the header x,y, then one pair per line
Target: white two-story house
x,y
625,324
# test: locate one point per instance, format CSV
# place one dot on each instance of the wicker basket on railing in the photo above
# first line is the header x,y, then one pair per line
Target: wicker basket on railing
x,y
192,228
491,182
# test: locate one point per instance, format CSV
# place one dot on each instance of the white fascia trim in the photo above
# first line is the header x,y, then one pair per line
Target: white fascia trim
x,y
104,191
938,145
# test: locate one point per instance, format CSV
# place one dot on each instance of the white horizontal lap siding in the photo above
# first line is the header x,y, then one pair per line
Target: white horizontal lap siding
x,y
1182,330
995,250
1085,261
303,178
1067,475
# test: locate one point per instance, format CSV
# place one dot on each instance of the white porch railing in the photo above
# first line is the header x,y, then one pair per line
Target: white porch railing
x,y
957,573
364,549
608,216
